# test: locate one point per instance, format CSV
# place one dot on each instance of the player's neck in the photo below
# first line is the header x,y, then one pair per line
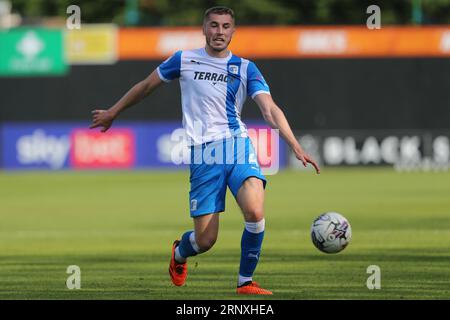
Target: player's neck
x,y
217,54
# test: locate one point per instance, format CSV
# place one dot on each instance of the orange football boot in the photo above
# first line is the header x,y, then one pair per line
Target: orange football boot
x,y
252,287
177,271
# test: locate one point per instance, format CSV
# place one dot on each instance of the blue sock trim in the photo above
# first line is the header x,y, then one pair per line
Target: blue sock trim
x,y
250,250
185,247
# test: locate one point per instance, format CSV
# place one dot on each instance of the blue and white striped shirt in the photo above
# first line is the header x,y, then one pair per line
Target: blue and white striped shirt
x,y
213,91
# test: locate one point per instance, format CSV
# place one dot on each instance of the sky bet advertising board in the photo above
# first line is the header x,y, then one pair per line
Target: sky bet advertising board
x,y
59,146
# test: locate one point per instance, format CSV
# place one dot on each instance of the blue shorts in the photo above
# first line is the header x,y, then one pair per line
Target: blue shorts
x,y
216,165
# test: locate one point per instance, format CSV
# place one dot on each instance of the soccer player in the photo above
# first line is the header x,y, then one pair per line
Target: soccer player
x,y
214,85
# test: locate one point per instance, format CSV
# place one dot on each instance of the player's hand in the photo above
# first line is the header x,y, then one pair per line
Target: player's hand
x,y
306,158
103,119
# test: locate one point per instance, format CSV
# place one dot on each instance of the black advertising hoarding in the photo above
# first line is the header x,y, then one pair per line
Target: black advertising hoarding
x,y
403,149
314,93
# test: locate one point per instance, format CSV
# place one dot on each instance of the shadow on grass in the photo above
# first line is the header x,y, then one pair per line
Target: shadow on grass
x,y
408,274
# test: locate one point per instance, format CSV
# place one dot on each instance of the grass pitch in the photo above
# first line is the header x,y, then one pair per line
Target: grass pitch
x,y
118,228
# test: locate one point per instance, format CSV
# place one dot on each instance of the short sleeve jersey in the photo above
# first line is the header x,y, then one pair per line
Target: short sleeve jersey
x,y
213,91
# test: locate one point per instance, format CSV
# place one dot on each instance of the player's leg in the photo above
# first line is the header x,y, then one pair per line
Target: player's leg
x,y
247,185
193,242
206,231
250,198
199,240
207,199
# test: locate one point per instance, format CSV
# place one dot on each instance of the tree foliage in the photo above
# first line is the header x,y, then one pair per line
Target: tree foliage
x,y
248,12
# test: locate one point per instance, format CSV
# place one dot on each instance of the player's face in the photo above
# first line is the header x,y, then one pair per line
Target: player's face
x,y
218,31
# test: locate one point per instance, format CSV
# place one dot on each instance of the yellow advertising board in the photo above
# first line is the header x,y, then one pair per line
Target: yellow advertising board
x,y
92,44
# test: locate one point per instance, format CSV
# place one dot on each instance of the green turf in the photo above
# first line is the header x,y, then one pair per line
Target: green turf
x,y
118,228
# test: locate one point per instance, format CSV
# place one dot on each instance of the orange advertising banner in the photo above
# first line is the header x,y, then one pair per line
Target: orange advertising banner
x,y
293,42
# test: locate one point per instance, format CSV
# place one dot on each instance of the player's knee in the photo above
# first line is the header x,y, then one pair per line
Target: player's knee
x,y
205,243
254,215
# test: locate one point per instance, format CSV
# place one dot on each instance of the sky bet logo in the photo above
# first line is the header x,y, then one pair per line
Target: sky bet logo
x,y
42,149
58,147
94,150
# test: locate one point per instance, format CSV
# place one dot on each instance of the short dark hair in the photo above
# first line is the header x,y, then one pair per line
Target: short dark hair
x,y
218,10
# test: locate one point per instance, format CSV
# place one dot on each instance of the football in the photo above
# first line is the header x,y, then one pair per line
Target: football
x,y
331,232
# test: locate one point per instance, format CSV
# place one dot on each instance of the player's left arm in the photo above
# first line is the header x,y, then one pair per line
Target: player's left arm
x,y
276,119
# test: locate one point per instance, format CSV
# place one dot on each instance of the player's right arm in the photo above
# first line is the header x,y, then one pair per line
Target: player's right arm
x,y
166,72
105,118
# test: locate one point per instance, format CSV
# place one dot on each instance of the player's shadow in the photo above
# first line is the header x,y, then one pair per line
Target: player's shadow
x,y
291,274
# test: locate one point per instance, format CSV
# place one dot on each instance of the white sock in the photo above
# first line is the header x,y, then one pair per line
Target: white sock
x,y
256,227
194,245
178,257
243,280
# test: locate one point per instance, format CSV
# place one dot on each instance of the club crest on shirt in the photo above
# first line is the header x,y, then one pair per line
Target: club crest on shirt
x,y
234,69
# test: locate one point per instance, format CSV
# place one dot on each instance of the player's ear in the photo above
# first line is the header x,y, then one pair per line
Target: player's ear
x,y
233,28
205,22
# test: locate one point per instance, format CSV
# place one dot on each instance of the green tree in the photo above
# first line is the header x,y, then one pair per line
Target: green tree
x,y
248,12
